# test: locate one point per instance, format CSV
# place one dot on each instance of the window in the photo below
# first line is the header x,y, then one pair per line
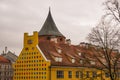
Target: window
x,y
69,74
118,74
94,74
81,61
77,74
79,54
92,62
30,42
26,48
33,48
61,39
60,74
48,38
87,74
58,59
59,50
73,60
81,74
106,74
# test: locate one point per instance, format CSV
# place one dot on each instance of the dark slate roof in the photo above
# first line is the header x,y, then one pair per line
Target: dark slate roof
x,y
49,27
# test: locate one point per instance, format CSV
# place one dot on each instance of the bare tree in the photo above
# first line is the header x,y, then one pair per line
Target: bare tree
x,y
113,9
107,36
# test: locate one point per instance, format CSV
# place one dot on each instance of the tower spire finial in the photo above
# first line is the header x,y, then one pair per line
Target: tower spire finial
x,y
49,27
49,9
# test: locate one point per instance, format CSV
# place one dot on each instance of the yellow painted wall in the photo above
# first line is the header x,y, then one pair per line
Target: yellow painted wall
x,y
31,64
80,69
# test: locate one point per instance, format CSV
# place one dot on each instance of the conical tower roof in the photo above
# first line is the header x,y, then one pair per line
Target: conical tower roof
x,y
49,27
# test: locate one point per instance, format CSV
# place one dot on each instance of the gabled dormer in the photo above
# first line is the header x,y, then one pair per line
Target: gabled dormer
x,y
49,31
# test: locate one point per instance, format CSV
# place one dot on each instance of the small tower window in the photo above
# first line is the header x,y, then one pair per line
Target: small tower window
x,y
48,38
61,39
30,41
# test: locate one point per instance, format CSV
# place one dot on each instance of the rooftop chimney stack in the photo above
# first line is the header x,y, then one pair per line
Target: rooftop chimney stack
x,y
68,41
5,49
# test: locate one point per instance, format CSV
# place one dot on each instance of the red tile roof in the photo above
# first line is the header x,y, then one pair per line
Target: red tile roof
x,y
3,60
68,52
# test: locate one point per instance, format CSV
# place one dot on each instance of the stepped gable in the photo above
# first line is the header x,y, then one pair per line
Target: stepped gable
x,y
49,28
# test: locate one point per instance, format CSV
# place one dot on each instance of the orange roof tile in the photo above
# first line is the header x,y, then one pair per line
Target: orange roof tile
x,y
69,52
3,60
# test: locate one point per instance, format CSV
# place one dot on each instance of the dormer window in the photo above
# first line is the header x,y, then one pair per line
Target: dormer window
x,y
59,50
103,56
81,61
58,59
79,54
73,60
92,62
26,48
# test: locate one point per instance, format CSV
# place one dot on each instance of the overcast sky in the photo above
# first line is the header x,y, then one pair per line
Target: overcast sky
x,y
74,19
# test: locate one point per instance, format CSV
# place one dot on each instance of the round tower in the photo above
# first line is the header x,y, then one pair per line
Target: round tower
x,y
49,31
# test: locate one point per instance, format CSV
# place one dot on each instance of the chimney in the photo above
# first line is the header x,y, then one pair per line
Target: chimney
x,y
68,41
3,52
5,49
53,39
82,44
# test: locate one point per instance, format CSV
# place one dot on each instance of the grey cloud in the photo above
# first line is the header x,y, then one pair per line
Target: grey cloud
x,y
74,19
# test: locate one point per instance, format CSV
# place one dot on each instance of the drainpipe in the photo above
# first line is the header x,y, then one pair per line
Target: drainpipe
x,y
50,72
101,74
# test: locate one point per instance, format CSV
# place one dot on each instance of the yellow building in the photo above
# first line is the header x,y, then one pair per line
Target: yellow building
x,y
48,55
